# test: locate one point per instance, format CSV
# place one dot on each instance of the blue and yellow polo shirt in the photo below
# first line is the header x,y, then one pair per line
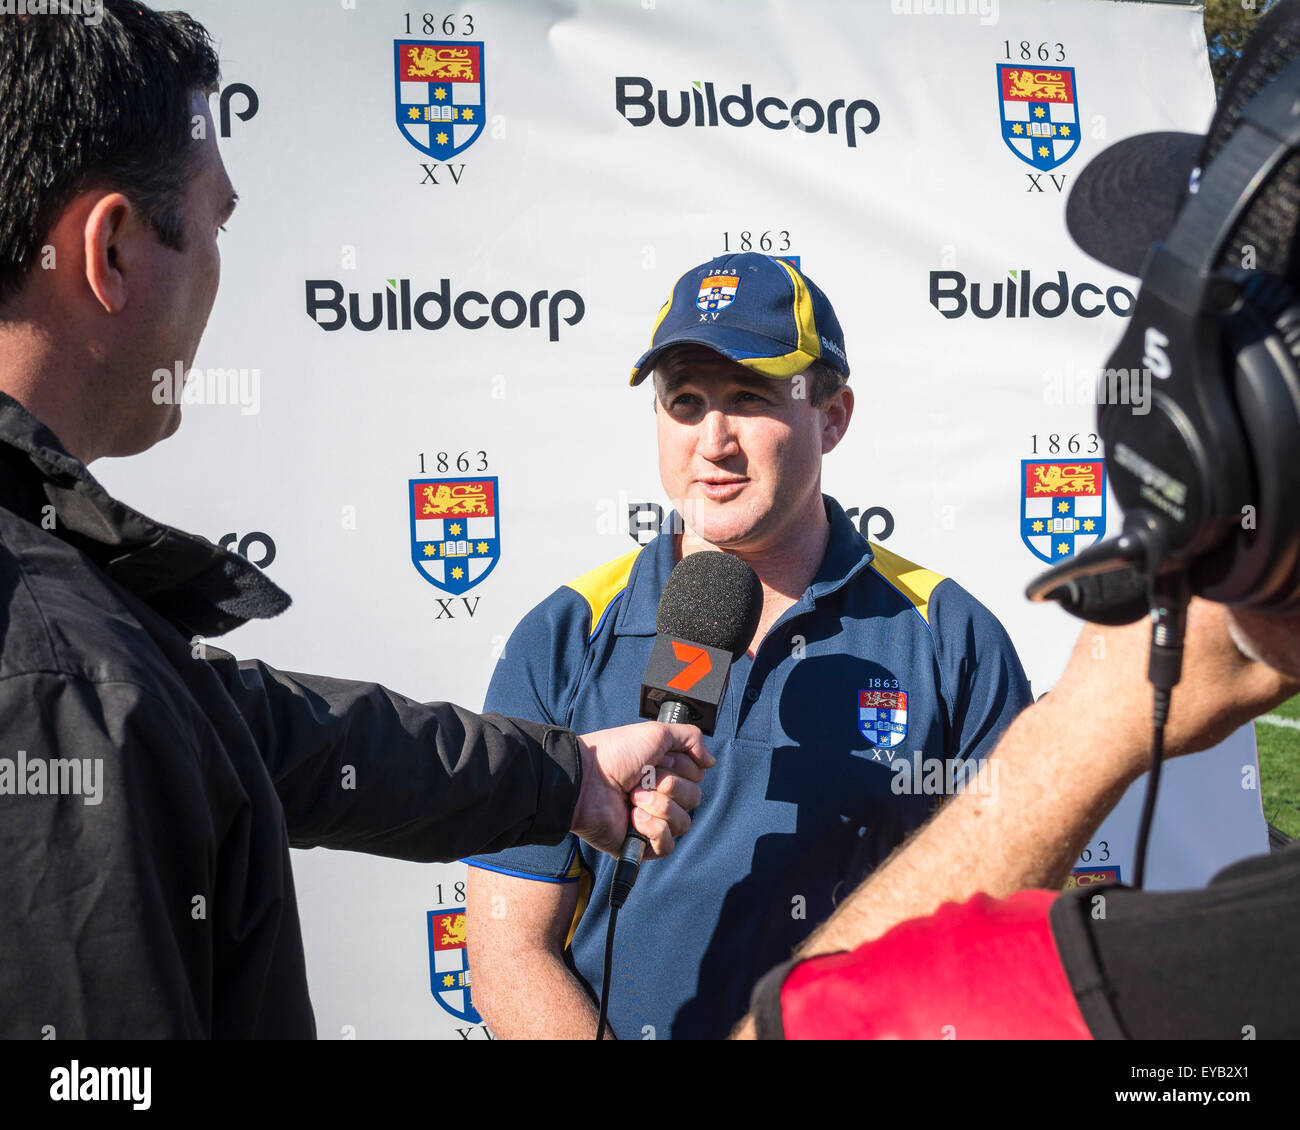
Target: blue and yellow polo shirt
x,y
833,743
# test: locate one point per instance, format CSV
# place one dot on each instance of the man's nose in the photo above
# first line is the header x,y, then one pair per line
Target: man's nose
x,y
717,435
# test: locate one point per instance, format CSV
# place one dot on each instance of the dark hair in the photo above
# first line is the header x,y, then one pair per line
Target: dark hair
x,y
83,106
823,382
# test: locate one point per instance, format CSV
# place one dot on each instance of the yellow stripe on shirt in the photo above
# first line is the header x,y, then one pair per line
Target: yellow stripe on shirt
x,y
601,587
912,581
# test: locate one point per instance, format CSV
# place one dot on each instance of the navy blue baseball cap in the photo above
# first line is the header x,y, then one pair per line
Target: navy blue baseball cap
x,y
759,311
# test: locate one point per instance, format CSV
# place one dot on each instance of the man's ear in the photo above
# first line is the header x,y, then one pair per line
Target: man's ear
x,y
839,411
109,229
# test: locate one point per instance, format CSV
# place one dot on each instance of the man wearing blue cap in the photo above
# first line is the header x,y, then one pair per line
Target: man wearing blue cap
x,y
871,687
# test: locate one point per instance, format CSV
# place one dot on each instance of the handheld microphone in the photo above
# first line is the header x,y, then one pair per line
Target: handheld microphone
x,y
707,615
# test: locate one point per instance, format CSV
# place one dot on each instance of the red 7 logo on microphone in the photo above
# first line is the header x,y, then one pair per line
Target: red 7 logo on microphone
x,y
698,664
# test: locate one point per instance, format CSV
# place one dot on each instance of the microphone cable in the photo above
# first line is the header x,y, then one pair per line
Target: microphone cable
x,y
625,875
1168,595
1094,586
609,964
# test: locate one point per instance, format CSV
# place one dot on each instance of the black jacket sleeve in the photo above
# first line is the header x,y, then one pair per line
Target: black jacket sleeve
x,y
359,767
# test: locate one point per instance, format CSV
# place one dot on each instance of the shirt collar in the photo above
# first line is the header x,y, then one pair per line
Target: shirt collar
x,y
201,588
847,552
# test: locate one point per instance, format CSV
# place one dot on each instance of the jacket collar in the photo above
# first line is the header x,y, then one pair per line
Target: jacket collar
x,y
847,552
202,589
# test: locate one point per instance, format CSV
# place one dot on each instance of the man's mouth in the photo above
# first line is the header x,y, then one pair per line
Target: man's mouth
x,y
719,490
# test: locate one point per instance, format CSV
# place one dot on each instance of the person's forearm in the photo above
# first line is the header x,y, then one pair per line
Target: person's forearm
x,y
539,999
1021,824
1056,773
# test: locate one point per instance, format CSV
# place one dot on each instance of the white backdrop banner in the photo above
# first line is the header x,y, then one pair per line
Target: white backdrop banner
x,y
456,227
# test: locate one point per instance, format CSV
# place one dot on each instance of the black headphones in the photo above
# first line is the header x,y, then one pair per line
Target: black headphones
x,y
1209,475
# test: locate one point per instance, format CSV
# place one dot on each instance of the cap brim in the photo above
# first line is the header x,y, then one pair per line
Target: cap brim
x,y
1126,199
750,350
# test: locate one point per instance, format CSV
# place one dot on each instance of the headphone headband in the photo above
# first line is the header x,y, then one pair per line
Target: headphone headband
x,y
1208,479
1266,133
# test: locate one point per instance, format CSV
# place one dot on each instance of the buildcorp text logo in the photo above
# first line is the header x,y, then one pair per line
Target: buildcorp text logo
x,y
398,307
1019,295
641,104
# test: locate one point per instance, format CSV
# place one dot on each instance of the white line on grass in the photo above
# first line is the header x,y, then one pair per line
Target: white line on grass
x,y
1278,720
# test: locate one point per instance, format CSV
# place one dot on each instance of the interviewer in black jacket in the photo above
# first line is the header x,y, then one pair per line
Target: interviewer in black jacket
x,y
150,785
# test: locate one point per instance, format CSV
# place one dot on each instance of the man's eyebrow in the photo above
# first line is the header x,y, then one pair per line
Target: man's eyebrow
x,y
674,382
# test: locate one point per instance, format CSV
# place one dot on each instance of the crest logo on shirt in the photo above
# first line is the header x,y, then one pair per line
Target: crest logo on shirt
x,y
1091,877
448,969
882,717
717,292
1062,507
455,541
1040,116
440,107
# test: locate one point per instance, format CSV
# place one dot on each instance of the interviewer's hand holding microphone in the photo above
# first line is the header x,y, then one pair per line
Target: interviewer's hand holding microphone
x,y
614,764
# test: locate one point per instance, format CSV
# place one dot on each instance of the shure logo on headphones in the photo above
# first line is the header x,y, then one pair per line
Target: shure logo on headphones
x,y
1159,487
1154,356
635,98
1018,297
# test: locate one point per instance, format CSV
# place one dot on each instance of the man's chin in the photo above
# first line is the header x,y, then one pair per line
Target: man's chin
x,y
723,528
172,426
142,441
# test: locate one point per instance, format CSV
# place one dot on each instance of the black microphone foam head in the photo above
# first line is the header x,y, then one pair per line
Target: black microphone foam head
x,y
711,598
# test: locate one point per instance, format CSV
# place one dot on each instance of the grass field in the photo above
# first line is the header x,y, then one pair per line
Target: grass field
x,y
1279,766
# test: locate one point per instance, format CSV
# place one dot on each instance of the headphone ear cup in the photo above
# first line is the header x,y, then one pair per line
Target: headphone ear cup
x,y
1260,565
